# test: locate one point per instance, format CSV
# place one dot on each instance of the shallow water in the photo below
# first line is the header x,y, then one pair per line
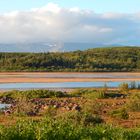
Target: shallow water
x,y
65,75
58,85
4,106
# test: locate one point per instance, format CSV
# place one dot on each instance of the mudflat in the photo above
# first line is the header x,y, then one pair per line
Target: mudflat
x,y
42,77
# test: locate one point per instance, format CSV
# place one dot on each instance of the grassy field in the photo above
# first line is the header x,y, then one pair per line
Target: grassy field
x,y
83,114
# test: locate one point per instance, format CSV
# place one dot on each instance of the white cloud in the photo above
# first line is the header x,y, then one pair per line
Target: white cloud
x,y
50,7
54,23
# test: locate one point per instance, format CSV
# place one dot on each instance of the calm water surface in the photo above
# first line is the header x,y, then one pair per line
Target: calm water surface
x,y
2,106
58,85
125,76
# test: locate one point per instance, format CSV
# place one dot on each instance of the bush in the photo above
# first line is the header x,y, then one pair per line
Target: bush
x,y
95,95
89,93
124,88
23,107
91,119
93,107
133,85
134,102
81,118
30,94
120,113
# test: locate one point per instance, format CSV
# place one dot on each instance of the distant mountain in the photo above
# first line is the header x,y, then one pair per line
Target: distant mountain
x,y
48,47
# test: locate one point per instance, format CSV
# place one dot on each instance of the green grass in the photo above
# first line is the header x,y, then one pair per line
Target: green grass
x,y
89,93
50,129
120,113
31,94
134,102
86,124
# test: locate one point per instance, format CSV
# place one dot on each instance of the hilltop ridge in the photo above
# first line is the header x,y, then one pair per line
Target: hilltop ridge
x,y
111,59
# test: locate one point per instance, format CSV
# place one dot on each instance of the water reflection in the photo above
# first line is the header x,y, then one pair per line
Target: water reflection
x,y
58,85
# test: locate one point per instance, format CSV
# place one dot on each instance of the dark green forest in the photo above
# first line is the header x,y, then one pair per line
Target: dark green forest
x,y
116,59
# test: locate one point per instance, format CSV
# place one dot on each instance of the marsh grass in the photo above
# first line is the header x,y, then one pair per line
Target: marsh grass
x,y
31,94
89,93
134,102
121,113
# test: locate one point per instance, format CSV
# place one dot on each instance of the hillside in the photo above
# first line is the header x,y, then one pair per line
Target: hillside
x,y
95,60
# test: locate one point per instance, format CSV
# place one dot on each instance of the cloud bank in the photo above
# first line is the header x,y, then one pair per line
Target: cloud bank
x,y
54,23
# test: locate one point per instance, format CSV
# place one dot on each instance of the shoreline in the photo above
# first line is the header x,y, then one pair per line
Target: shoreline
x,y
60,80
22,72
52,77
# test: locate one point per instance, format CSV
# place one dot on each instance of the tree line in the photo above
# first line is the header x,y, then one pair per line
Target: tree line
x,y
113,59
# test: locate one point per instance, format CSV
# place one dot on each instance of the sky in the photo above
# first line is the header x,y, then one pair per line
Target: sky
x,y
96,21
100,6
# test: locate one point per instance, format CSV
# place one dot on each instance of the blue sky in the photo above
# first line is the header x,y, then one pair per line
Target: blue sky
x,y
99,6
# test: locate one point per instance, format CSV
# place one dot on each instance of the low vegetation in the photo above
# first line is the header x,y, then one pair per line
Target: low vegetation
x,y
89,93
120,113
83,114
49,129
31,94
134,102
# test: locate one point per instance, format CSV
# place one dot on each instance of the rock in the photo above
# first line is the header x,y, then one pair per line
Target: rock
x,y
67,108
104,111
7,112
76,107
31,113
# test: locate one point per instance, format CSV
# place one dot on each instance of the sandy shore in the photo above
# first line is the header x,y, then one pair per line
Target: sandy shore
x,y
53,80
41,73
41,77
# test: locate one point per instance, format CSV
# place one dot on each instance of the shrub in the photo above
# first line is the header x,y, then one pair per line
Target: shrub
x,y
23,107
133,85
94,95
50,111
105,88
134,102
93,107
91,119
81,118
89,93
30,94
124,88
120,113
